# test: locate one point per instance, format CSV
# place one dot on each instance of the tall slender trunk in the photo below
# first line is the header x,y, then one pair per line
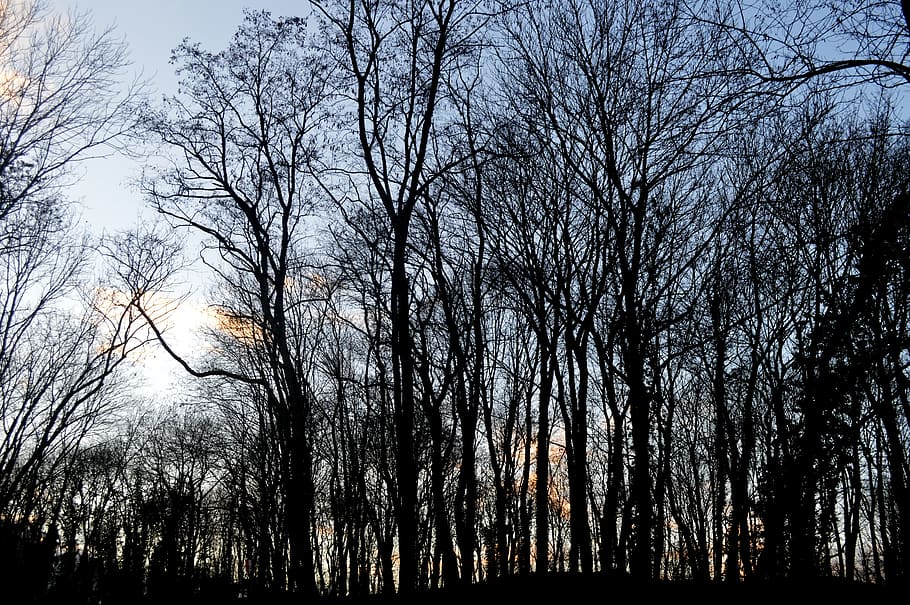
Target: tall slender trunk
x,y
576,421
542,467
662,483
302,571
466,507
498,565
609,560
640,416
444,555
403,410
721,454
524,509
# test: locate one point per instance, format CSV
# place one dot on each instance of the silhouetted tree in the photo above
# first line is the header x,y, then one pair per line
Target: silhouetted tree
x,y
490,288
237,146
396,57
61,340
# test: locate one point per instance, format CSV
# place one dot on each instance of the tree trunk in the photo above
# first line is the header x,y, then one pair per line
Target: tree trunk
x,y
542,491
403,411
640,416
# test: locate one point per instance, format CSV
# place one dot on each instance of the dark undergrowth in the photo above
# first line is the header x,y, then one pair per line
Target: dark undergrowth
x,y
567,589
551,589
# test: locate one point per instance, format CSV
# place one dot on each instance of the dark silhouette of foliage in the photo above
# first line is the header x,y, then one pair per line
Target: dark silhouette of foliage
x,y
507,301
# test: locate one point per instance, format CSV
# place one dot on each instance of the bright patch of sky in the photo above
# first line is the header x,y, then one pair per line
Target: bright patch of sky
x,y
151,31
109,203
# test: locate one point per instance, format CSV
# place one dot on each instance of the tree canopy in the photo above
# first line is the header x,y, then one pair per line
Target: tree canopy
x,y
497,291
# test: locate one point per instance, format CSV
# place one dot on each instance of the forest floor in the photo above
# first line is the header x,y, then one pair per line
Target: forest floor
x,y
568,589
549,589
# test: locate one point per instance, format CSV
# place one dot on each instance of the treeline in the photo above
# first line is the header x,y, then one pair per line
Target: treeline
x,y
495,291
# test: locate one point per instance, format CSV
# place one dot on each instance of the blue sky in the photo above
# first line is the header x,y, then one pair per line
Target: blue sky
x,y
151,30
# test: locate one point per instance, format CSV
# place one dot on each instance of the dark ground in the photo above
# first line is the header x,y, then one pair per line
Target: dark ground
x,y
551,589
567,589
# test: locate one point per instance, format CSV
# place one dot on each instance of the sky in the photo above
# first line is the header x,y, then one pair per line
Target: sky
x,y
151,29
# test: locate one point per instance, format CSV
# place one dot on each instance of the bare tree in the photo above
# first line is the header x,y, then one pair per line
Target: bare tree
x,y
628,294
804,42
396,56
632,117
61,342
60,103
234,171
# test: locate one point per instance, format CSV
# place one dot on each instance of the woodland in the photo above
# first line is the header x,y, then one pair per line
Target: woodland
x,y
530,297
